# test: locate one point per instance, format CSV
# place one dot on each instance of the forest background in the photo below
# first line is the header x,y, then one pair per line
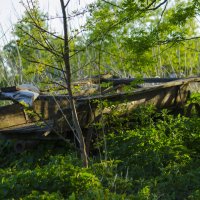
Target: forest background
x,y
124,38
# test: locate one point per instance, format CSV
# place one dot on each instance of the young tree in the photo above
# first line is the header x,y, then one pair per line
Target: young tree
x,y
66,58
46,50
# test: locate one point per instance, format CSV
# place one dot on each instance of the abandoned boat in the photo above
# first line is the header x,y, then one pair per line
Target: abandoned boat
x,y
49,114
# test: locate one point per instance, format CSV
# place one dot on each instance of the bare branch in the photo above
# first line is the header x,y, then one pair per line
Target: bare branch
x,y
159,5
66,4
42,45
48,32
148,6
57,83
163,12
85,65
34,22
177,40
112,4
45,64
74,36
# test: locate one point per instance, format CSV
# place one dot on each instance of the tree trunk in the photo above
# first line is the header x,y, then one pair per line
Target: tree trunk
x,y
68,82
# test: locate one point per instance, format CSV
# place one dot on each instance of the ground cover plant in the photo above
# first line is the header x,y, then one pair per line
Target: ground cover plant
x,y
155,158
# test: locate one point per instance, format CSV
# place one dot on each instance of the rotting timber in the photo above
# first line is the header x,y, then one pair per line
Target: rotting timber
x,y
49,118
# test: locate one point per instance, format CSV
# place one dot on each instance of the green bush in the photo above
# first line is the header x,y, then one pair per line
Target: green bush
x,y
35,195
160,158
157,157
58,175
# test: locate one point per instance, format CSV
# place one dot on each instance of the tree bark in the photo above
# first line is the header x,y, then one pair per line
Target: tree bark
x,y
66,59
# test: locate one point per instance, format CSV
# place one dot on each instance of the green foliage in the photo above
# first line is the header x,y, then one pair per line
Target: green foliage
x,y
27,55
126,38
108,174
195,195
195,98
155,158
160,158
35,195
139,38
57,175
99,194
149,155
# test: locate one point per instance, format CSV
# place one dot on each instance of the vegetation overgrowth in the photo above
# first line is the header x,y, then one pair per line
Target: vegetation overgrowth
x,y
146,155
156,157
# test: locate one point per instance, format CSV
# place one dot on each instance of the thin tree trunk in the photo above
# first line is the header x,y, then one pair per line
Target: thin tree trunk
x,y
68,82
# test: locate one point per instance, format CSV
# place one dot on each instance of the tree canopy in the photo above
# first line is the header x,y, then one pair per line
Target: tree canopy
x,y
127,38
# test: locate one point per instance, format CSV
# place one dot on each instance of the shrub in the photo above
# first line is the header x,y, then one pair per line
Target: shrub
x,y
59,175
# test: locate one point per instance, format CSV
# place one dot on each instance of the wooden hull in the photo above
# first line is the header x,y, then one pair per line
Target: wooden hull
x,y
54,112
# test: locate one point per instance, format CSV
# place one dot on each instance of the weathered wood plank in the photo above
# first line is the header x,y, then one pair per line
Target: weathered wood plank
x,y
50,107
11,115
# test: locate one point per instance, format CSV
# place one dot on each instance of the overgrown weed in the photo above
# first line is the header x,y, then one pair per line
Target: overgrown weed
x,y
150,155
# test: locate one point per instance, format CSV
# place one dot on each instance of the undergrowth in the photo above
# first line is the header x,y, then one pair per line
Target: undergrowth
x,y
153,156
